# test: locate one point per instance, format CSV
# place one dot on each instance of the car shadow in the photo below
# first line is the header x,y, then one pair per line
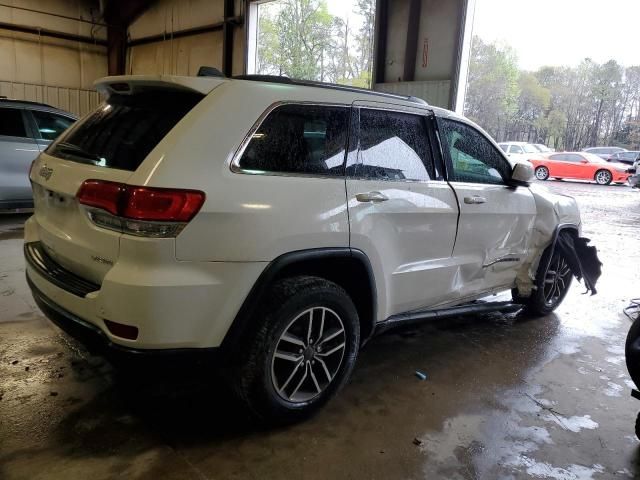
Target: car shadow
x,y
191,405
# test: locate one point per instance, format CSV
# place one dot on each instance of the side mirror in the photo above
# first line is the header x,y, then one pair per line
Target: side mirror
x,y
522,174
584,160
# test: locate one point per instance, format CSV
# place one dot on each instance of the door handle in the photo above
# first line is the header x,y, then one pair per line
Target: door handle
x,y
475,200
374,197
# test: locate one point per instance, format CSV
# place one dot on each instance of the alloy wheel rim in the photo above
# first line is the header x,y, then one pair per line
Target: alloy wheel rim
x,y
308,355
556,280
603,177
541,174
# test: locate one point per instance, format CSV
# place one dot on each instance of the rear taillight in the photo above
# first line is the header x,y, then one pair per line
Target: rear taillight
x,y
144,211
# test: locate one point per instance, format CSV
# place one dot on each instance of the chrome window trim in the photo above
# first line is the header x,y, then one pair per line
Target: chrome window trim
x,y
235,160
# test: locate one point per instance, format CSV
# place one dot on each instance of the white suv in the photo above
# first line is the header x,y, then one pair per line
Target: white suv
x,y
280,224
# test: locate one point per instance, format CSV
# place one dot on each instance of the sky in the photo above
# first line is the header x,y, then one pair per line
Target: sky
x,y
562,32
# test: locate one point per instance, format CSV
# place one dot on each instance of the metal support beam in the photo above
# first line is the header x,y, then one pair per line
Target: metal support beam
x,y
411,47
227,38
51,33
380,44
214,27
116,50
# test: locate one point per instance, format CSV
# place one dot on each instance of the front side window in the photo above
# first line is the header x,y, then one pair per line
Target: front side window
x,y
473,157
11,123
305,139
50,125
392,146
573,157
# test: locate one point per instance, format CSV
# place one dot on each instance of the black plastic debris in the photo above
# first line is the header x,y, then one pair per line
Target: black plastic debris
x,y
581,257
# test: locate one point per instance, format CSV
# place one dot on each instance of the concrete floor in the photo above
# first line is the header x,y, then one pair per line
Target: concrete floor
x,y
504,397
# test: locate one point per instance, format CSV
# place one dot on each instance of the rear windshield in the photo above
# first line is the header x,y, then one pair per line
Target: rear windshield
x,y
122,131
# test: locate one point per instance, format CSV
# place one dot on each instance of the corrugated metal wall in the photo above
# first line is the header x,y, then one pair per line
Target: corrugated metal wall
x,y
74,100
182,56
50,70
436,92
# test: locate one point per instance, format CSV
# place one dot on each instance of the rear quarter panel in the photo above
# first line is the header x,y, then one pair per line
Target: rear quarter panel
x,y
245,217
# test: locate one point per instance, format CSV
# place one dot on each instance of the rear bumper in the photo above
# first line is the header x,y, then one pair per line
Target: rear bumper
x,y
174,305
97,341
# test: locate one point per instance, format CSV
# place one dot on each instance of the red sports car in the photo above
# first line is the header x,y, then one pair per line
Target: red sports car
x,y
581,166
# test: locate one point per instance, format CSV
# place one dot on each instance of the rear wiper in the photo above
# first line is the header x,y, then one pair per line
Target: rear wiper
x,y
77,151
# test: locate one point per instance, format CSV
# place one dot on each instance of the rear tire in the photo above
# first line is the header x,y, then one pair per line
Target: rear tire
x,y
632,351
542,173
551,284
283,373
603,177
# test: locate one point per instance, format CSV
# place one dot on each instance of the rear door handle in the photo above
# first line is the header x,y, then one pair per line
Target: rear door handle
x,y
475,200
374,197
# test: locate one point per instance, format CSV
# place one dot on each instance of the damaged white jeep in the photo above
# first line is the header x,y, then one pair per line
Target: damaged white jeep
x,y
281,224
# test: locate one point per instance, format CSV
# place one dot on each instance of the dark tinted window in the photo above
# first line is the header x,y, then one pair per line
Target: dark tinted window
x,y
473,156
392,146
573,157
50,125
122,131
559,157
299,139
11,123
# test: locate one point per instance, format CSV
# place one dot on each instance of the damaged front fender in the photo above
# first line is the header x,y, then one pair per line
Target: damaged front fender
x,y
554,213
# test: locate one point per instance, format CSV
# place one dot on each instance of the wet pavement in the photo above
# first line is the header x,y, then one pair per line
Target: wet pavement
x,y
505,397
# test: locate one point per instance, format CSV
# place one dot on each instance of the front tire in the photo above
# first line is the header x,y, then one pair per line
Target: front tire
x,y
302,352
603,177
552,285
542,173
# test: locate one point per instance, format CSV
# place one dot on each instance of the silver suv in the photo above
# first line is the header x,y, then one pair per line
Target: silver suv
x,y
26,128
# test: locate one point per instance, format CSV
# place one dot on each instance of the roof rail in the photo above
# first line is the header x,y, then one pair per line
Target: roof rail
x,y
332,86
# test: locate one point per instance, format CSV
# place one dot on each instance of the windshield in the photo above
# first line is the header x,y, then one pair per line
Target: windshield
x,y
528,148
593,158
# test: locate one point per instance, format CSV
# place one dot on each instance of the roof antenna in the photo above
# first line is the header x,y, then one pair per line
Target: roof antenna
x,y
205,71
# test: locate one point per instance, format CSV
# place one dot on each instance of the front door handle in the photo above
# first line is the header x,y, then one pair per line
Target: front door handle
x,y
475,200
374,197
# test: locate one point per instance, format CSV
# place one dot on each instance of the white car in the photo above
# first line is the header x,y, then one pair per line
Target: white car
x,y
280,224
520,151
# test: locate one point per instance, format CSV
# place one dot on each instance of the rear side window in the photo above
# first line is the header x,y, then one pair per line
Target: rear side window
x,y
303,139
122,131
392,146
12,123
50,125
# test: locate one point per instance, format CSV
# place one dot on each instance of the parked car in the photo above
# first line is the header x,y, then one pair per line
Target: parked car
x,y
26,128
628,158
543,148
634,179
281,235
581,166
519,151
604,152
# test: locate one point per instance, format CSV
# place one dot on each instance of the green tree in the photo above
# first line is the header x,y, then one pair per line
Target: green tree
x,y
492,90
295,41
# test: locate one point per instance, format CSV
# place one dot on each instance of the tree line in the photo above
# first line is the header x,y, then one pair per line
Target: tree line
x,y
567,108
302,39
